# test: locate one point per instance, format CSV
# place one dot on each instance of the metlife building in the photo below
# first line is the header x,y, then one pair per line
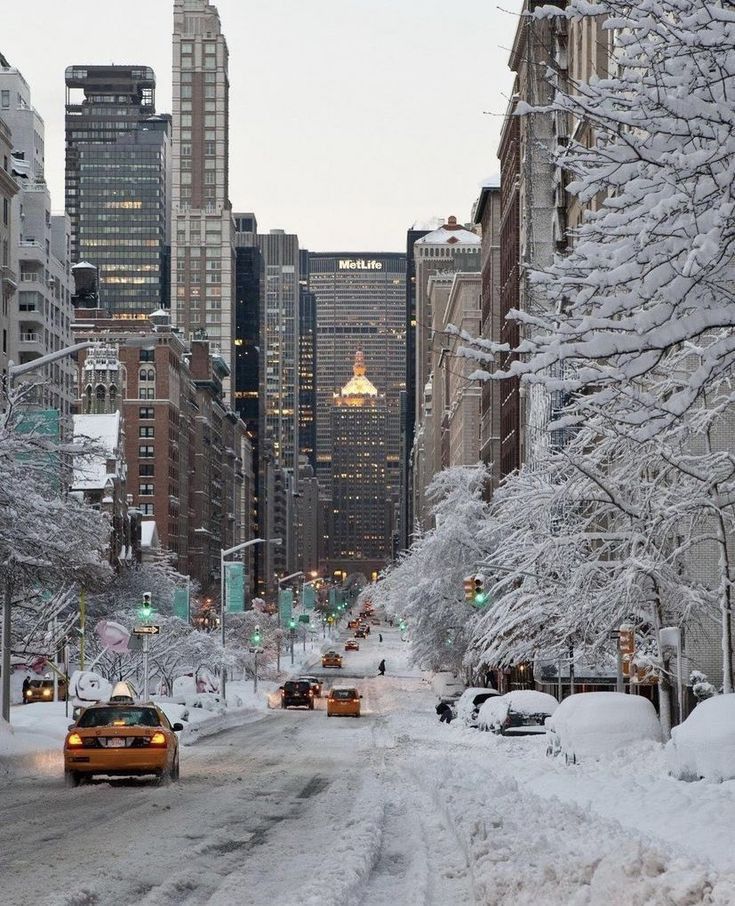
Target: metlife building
x,y
360,305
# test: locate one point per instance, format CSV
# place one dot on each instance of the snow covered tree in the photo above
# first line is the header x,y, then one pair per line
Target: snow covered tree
x,y
426,586
652,270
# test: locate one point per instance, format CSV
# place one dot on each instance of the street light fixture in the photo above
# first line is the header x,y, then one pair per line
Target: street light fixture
x,y
223,596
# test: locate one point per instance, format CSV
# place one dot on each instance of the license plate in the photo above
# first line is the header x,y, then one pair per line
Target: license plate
x,y
116,742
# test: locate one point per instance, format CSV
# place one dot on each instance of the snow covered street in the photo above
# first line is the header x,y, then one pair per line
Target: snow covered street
x,y
395,808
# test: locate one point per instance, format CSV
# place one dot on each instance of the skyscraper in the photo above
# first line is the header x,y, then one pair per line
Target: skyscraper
x,y
360,305
202,239
279,349
359,531
104,103
37,250
307,364
249,279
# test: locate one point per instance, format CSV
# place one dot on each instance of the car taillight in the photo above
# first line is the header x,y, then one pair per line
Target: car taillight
x,y
74,740
158,739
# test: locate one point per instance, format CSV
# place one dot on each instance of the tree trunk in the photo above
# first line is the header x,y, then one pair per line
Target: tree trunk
x,y
664,688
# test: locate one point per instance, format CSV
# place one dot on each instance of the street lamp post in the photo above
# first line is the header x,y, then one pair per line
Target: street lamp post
x,y
8,380
223,591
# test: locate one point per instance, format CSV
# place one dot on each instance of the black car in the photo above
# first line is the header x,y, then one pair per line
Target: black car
x,y
297,693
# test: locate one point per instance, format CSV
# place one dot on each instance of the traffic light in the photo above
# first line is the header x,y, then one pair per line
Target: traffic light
x,y
292,623
479,595
146,608
402,625
255,637
469,589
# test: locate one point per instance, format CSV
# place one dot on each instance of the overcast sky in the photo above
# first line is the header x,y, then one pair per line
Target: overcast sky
x,y
350,119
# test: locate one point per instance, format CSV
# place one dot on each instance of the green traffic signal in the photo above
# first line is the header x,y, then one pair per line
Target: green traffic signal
x,y
292,623
146,608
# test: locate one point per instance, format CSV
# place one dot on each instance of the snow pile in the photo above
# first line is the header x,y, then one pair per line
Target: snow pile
x,y
704,745
593,724
524,702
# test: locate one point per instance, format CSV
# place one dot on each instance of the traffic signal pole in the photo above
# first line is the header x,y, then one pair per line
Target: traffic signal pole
x,y
145,668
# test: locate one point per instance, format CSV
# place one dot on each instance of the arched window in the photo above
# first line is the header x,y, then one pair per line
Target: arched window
x,y
100,393
113,393
88,395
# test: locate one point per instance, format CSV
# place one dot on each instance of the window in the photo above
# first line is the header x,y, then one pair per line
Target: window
x,y
147,355
146,412
145,451
146,431
145,490
4,99
147,374
147,393
146,509
186,91
146,470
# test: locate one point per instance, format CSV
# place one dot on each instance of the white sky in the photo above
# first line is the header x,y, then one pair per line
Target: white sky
x,y
349,119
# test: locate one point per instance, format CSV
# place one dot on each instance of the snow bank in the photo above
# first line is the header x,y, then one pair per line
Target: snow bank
x,y
593,724
704,745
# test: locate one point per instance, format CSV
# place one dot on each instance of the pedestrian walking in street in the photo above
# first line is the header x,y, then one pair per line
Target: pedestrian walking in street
x,y
445,713
380,636
26,687
381,668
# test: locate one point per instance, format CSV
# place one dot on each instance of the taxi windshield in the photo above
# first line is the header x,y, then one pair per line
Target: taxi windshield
x,y
344,694
119,717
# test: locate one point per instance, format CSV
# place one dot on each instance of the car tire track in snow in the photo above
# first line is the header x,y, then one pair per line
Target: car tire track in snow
x,y
420,861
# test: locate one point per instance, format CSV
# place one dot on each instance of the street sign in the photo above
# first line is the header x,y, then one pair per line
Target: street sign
x,y
256,650
147,630
304,618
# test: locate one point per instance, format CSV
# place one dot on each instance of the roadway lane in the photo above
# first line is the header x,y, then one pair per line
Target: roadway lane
x,y
255,809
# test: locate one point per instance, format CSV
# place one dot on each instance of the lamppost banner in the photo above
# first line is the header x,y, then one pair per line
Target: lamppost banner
x,y
181,603
308,597
285,605
235,585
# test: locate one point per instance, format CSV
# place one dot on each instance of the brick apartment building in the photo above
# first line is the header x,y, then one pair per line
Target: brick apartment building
x,y
189,460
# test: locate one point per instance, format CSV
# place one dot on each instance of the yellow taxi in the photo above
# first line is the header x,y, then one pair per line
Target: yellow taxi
x,y
343,701
121,738
331,659
42,690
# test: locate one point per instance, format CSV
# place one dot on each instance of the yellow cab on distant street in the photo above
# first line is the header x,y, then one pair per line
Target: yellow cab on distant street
x,y
343,701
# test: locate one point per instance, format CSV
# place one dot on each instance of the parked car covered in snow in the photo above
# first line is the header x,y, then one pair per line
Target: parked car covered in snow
x,y
468,704
521,712
592,724
703,747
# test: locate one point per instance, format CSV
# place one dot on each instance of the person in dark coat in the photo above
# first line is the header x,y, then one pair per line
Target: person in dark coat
x,y
26,687
380,636
381,668
445,713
